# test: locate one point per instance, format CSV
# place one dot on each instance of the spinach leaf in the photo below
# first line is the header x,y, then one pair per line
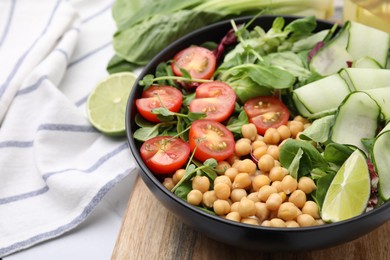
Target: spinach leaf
x,y
138,43
311,157
322,187
235,123
183,190
337,153
294,166
117,64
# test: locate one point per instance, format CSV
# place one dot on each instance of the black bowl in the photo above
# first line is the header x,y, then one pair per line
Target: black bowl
x,y
233,233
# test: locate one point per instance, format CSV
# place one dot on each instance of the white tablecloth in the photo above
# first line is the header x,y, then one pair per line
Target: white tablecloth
x,y
54,166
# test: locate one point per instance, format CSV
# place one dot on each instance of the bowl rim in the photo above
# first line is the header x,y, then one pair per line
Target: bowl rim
x,y
146,173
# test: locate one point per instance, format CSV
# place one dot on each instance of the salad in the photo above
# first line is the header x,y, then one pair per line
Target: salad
x,y
280,128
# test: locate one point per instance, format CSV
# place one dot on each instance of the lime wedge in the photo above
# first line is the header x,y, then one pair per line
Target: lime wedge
x,y
349,191
106,104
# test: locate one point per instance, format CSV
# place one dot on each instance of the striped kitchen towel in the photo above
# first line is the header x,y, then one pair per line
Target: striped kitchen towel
x,y
54,166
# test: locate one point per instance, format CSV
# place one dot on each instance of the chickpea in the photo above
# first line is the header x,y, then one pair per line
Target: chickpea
x,y
292,224
243,147
232,158
306,185
320,221
257,144
306,220
284,132
194,197
282,195
238,194
259,181
247,165
178,175
272,136
201,183
262,212
222,167
298,197
246,208
274,151
169,183
265,191
222,191
277,222
289,184
208,198
253,196
300,119
259,138
234,207
266,223
277,173
249,131
277,185
223,179
295,127
312,209
251,221
242,180
266,162
288,211
235,216
231,173
307,125
259,152
274,201
221,207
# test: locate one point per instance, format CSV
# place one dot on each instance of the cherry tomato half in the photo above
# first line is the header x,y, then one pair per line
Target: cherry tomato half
x,y
266,112
216,99
164,154
211,139
198,61
171,97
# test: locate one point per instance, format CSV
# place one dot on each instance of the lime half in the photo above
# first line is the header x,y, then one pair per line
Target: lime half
x,y
106,104
349,191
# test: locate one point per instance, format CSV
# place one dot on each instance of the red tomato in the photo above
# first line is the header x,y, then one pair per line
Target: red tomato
x,y
164,154
211,139
198,61
266,112
216,99
171,98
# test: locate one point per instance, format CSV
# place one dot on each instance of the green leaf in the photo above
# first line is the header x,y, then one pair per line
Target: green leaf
x,y
140,42
294,166
117,64
162,111
322,187
311,156
337,153
235,123
145,133
142,122
183,190
212,163
195,115
189,173
147,80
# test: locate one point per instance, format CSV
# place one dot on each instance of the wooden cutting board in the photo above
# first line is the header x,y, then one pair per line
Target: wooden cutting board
x,y
149,231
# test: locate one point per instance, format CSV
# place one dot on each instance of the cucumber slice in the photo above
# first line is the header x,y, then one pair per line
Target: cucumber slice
x,y
333,56
318,98
382,98
355,41
367,41
366,78
381,154
356,118
366,62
